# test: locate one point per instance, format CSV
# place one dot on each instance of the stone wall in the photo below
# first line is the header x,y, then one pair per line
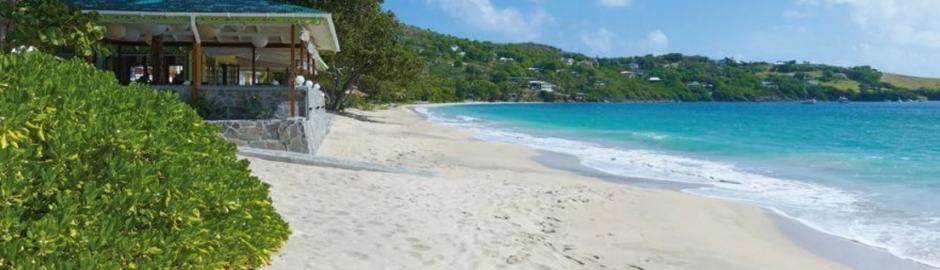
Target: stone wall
x,y
318,121
239,107
228,102
274,134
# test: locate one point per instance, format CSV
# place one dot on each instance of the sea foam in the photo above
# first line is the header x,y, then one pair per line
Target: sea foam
x,y
847,214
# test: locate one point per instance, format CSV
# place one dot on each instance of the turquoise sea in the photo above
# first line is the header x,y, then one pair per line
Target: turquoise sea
x,y
869,172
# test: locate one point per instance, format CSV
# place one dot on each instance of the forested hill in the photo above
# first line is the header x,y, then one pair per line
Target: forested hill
x,y
460,69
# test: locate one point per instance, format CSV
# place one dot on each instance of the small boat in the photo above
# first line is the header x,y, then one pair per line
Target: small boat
x,y
843,99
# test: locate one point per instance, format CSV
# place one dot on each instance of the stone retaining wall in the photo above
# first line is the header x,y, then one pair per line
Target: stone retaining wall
x,y
275,134
228,102
237,107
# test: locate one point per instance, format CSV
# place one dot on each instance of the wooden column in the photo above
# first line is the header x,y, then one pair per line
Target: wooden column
x,y
303,60
293,69
156,58
254,72
119,68
197,71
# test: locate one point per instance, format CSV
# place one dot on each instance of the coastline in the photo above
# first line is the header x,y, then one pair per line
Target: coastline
x,y
840,250
511,212
834,247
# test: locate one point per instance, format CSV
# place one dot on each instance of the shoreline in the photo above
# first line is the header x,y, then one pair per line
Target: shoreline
x,y
511,212
833,247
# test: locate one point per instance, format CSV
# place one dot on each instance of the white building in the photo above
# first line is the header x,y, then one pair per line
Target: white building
x,y
542,86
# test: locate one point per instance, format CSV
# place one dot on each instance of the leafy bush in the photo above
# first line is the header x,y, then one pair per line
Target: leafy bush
x,y
94,175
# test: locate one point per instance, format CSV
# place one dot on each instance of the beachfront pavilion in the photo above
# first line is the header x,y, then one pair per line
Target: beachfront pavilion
x,y
213,44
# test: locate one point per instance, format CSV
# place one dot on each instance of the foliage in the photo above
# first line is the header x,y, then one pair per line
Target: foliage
x,y
49,26
204,108
456,69
370,46
94,175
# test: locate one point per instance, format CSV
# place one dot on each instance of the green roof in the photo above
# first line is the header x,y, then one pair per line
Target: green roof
x,y
194,6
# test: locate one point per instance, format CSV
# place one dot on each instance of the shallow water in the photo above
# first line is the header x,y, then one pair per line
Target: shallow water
x,y
869,172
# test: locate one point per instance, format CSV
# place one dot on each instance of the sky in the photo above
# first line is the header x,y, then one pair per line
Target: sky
x,y
899,36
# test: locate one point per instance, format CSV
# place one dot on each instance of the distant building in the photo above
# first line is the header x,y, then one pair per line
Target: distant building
x,y
506,59
769,84
696,84
454,48
628,74
586,63
542,86
654,79
533,69
840,76
633,66
567,60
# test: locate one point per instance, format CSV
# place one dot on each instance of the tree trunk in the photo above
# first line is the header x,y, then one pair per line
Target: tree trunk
x,y
338,98
5,26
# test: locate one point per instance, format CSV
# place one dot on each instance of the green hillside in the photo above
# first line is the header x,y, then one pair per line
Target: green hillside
x,y
910,82
459,69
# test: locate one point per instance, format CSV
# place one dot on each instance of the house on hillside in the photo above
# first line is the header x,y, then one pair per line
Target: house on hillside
x,y
769,84
654,79
633,66
541,86
567,61
628,74
454,48
506,59
586,63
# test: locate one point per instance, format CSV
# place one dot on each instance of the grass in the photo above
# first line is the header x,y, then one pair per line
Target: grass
x,y
847,85
910,82
813,74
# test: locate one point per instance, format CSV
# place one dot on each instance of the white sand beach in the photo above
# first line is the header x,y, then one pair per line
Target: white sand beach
x,y
490,206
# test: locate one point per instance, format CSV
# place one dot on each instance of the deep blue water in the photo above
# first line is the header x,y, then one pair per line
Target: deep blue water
x,y
864,171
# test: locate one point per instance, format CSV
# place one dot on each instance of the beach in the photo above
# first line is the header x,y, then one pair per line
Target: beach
x,y
491,206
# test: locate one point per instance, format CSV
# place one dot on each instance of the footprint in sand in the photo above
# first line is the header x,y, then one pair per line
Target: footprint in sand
x,y
358,255
421,248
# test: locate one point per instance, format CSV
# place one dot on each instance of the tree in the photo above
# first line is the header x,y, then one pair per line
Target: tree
x,y
49,26
370,46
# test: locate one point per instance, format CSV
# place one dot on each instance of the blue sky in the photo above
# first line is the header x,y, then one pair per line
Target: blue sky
x,y
901,36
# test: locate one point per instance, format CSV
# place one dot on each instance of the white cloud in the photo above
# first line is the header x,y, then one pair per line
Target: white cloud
x,y
508,21
614,3
657,41
600,41
902,22
899,35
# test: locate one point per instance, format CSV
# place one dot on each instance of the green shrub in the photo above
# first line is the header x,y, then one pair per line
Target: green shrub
x,y
94,175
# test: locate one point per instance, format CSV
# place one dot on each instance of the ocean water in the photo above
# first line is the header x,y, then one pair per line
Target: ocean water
x,y
869,172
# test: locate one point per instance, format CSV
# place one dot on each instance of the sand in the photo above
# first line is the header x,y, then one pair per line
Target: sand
x,y
490,206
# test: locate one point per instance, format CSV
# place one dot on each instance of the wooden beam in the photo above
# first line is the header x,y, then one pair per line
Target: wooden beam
x,y
293,70
197,71
204,44
156,56
253,70
302,60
